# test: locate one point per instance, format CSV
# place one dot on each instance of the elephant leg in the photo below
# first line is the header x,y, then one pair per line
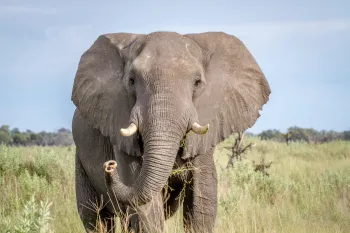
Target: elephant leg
x,y
92,150
87,200
200,202
85,197
173,196
148,217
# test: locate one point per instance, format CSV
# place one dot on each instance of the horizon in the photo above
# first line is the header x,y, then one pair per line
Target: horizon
x,y
304,54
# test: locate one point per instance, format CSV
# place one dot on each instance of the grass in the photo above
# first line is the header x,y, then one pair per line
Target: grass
x,y
308,189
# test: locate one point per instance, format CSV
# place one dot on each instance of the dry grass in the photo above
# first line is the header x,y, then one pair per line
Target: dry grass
x,y
308,189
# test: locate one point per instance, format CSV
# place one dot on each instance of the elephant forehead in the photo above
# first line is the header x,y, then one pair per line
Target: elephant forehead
x,y
144,60
173,60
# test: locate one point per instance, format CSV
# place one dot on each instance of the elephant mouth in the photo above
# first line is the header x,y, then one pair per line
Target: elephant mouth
x,y
140,143
132,129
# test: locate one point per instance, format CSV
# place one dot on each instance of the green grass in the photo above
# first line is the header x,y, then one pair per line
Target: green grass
x,y
308,189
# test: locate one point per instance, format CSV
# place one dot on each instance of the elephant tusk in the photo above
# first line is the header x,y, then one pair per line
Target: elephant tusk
x,y
198,129
129,131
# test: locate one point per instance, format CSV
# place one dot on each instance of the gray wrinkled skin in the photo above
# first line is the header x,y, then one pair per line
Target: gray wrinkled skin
x,y
163,82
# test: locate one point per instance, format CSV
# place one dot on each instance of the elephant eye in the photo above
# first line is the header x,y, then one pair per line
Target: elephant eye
x,y
198,79
197,83
132,81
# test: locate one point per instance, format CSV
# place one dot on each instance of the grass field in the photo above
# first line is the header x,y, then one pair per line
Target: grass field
x,y
308,190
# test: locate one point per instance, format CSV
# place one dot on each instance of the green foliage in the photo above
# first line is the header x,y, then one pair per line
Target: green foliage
x,y
15,137
308,189
271,134
309,135
34,218
63,137
47,173
347,135
20,138
5,135
5,138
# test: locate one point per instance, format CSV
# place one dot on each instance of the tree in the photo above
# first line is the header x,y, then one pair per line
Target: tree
x,y
298,134
271,134
287,137
15,131
64,130
346,135
20,139
5,128
5,135
64,138
35,139
237,150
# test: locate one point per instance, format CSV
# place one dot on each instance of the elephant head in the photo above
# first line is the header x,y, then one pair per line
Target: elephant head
x,y
163,85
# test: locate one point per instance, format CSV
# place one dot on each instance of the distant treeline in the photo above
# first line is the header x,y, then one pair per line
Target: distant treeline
x,y
14,137
308,135
63,137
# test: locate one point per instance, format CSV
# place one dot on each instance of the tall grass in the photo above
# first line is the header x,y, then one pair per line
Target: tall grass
x,y
308,190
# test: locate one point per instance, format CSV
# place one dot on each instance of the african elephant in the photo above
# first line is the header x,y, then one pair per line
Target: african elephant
x,y
167,88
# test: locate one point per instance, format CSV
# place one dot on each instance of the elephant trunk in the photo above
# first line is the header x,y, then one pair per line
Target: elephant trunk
x,y
162,134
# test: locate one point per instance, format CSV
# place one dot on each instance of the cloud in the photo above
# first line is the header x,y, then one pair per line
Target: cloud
x,y
12,9
287,29
268,30
62,46
58,50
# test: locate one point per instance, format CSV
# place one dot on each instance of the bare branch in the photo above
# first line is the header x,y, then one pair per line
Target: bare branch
x,y
237,149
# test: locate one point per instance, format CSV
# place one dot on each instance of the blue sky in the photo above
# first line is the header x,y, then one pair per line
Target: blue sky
x,y
303,47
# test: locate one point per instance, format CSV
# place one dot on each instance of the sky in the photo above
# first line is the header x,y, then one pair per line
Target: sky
x,y
303,48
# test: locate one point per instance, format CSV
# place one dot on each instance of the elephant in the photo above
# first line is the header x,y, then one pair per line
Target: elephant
x,y
151,104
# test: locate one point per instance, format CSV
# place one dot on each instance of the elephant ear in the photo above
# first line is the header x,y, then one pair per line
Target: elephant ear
x,y
236,89
99,92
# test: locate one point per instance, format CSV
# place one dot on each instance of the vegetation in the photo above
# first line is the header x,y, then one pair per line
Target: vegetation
x,y
308,135
15,137
307,190
63,137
